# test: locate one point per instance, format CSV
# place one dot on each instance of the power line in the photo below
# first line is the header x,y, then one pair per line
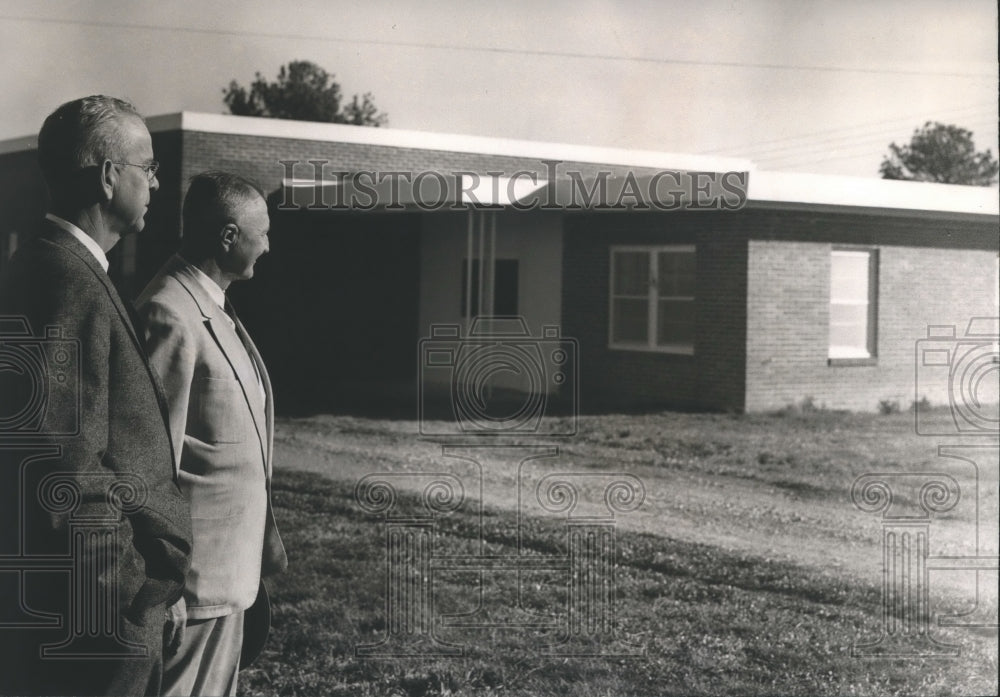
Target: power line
x,y
807,163
816,160
815,139
972,123
808,155
810,160
902,119
837,141
853,141
490,49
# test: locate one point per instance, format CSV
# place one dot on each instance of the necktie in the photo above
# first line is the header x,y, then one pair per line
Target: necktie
x,y
245,340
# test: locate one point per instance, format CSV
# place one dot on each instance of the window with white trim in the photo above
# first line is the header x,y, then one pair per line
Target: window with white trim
x,y
652,298
853,295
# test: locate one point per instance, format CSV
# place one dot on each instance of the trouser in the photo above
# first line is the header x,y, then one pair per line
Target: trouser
x,y
208,659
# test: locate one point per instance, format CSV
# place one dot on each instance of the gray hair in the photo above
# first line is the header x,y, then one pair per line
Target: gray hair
x,y
213,200
80,134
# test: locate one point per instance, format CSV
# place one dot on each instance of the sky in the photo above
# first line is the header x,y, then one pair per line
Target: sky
x,y
793,85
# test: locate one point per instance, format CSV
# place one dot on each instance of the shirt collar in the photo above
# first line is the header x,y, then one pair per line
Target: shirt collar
x,y
213,289
83,238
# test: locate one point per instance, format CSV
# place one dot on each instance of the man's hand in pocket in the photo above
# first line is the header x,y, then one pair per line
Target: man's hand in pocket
x,y
173,630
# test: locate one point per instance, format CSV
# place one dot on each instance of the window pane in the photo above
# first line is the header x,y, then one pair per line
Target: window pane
x,y
631,319
848,342
678,286
849,315
631,273
677,262
850,304
675,322
849,277
676,271
848,330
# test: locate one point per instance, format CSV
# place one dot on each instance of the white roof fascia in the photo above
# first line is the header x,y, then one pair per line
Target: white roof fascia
x,y
788,189
447,142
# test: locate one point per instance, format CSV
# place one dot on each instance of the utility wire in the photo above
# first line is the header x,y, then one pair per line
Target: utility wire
x,y
821,146
761,144
807,161
491,49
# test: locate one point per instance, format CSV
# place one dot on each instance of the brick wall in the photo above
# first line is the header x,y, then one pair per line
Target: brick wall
x,y
258,157
763,291
713,378
922,280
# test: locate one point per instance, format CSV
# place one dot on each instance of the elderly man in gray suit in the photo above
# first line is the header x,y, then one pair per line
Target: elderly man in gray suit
x,y
104,495
222,426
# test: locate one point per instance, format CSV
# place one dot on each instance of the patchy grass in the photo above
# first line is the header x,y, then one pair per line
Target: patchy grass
x,y
700,619
817,450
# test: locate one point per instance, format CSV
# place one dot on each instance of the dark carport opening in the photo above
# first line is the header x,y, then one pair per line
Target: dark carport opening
x,y
333,309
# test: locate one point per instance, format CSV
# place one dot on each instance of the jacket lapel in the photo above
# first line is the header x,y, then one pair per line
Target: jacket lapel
x,y
267,419
232,348
56,235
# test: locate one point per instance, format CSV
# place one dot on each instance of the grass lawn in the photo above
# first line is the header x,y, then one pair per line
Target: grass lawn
x,y
747,569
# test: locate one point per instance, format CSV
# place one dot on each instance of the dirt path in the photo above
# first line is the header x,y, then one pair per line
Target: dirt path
x,y
734,513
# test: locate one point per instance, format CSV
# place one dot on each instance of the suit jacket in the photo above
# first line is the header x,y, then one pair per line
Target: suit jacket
x,y
104,427
222,432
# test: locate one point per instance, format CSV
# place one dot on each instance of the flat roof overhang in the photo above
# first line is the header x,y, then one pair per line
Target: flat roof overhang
x,y
433,191
773,190
884,197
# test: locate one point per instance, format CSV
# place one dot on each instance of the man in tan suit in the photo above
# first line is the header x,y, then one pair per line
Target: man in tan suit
x,y
222,427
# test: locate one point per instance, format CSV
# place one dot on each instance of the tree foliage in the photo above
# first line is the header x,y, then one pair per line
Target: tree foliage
x,y
940,153
303,92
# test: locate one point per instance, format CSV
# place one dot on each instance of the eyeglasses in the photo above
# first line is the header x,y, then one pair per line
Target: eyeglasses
x,y
149,168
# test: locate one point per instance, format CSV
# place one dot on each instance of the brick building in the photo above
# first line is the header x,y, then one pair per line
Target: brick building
x,y
804,287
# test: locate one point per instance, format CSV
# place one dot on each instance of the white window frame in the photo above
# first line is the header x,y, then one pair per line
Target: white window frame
x,y
870,351
652,298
